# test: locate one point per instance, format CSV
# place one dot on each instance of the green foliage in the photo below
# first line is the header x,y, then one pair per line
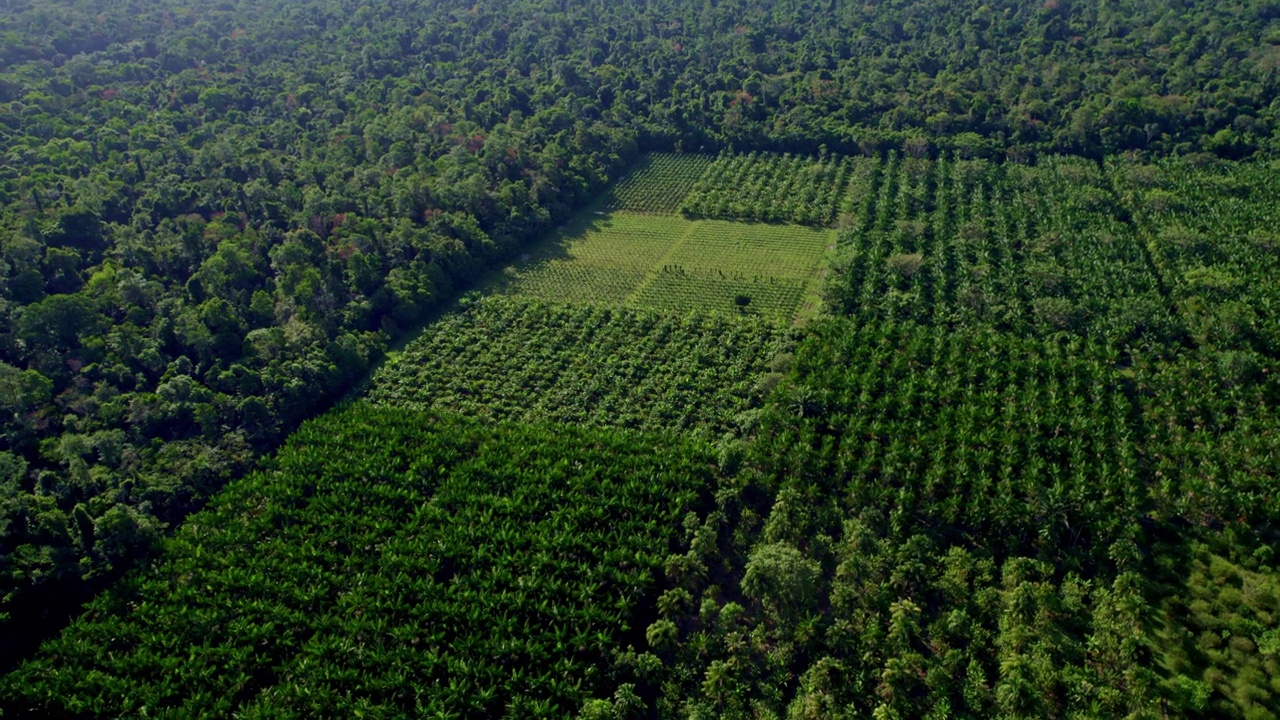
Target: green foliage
x,y
395,563
997,526
1214,421
673,264
715,261
1218,624
211,228
658,183
958,243
942,501
1053,372
511,359
599,259
770,188
782,578
1210,230
1019,441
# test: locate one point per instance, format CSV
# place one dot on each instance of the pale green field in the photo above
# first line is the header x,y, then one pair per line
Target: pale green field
x,y
671,263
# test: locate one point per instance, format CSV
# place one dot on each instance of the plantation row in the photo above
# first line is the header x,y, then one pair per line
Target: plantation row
x,y
1213,424
1017,480
676,290
1176,262
511,359
926,520
578,284
968,429
658,183
964,525
674,264
1026,249
390,563
1068,246
597,260
770,188
1214,234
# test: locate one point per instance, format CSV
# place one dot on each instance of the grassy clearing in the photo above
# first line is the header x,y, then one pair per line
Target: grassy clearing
x,y
673,263
717,262
783,252
597,259
675,290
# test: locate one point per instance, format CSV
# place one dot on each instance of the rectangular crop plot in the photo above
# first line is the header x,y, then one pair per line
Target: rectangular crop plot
x,y
770,187
506,358
414,557
1212,234
753,249
1031,250
675,264
659,183
720,262
768,297
597,259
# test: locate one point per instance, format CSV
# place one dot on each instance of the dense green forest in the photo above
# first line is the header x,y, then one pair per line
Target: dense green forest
x,y
1024,466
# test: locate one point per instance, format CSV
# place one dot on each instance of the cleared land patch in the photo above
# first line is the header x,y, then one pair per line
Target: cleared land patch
x,y
675,264
597,259
719,263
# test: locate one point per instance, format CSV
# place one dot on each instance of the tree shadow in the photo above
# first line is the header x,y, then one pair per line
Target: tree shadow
x,y
550,249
